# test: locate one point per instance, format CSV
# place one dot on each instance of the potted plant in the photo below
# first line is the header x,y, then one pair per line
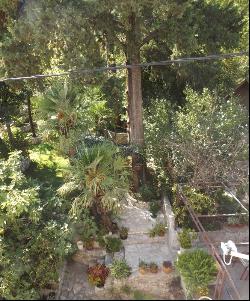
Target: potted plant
x,y
112,244
153,267
143,267
167,266
120,269
158,230
123,233
98,274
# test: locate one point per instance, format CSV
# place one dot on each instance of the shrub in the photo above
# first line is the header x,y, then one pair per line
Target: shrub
x,y
147,193
197,268
112,244
84,226
98,274
238,220
120,269
201,204
185,238
158,230
154,208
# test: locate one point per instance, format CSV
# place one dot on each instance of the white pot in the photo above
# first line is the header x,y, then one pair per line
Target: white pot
x,y
79,245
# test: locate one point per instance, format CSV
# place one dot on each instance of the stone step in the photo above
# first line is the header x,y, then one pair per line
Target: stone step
x,y
157,252
134,238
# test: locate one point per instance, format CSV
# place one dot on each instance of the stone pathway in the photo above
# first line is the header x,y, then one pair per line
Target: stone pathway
x,y
138,246
75,284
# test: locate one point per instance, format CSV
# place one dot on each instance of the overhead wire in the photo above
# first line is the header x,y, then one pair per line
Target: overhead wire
x,y
130,66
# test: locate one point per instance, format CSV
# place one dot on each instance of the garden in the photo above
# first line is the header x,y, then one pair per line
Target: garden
x,y
87,159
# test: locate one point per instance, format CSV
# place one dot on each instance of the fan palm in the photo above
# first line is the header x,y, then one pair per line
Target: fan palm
x,y
101,177
59,103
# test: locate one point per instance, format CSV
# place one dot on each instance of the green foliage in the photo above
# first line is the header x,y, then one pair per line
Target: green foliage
x,y
200,202
85,226
185,238
112,244
120,269
101,176
225,203
147,193
202,142
154,208
158,230
197,268
215,131
18,195
35,237
238,220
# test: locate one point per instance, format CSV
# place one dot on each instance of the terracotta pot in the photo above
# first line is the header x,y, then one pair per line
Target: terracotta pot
x,y
167,267
154,270
143,271
167,270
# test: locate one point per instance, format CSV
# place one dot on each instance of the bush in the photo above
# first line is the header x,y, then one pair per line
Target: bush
x,y
84,226
201,204
147,193
112,244
120,269
197,268
185,238
154,208
158,230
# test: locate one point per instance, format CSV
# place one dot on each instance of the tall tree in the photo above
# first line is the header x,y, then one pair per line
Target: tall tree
x,y
85,33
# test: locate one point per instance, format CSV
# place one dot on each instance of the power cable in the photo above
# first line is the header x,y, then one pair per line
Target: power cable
x,y
128,66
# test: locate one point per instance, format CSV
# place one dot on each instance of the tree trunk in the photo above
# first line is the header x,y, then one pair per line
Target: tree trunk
x,y
102,215
30,118
10,135
135,107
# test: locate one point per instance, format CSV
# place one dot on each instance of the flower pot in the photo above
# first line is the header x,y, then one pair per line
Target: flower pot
x,y
167,267
143,271
79,245
154,270
167,270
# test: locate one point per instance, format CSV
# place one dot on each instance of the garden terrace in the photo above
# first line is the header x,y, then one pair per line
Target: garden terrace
x,y
231,280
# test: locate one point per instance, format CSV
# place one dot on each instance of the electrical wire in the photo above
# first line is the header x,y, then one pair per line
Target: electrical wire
x,y
128,66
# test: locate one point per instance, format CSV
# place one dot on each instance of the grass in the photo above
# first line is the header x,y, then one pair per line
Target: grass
x,y
46,167
45,157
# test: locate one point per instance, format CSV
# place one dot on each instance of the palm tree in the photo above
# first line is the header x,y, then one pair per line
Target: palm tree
x,y
100,176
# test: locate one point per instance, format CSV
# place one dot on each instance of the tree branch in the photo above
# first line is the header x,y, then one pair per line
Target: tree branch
x,y
152,35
